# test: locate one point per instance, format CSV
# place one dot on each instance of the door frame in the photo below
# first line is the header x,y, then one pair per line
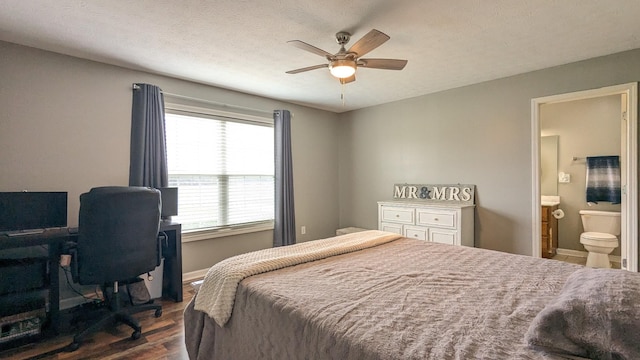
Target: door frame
x,y
629,134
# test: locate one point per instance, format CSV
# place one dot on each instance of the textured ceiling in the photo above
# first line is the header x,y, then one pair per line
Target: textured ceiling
x,y
242,45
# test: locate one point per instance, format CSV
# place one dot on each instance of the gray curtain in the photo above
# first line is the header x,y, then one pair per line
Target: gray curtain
x,y
148,162
284,232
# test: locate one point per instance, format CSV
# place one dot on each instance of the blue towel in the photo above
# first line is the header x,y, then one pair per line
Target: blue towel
x,y
603,179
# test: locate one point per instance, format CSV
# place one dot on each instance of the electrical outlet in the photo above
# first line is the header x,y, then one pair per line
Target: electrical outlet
x,y
303,230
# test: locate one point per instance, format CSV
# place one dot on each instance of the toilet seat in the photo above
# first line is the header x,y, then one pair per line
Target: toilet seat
x,y
599,239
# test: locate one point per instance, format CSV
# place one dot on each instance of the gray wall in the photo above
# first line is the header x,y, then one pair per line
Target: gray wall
x,y
478,134
65,125
590,127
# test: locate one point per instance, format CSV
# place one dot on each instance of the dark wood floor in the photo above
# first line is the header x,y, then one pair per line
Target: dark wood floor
x,y
162,338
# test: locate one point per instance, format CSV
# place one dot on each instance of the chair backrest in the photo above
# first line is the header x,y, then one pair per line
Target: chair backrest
x,y
117,234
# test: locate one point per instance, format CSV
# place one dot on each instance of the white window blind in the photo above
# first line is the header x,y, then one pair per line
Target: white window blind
x,y
223,168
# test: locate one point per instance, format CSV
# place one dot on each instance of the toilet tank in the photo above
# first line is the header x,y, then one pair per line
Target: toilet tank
x,y
601,221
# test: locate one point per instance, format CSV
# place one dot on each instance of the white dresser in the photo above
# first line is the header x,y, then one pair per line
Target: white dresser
x,y
442,222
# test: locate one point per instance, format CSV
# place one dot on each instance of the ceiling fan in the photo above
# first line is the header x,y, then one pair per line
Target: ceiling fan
x,y
344,63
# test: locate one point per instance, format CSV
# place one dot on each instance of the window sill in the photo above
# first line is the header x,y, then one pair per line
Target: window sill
x,y
218,233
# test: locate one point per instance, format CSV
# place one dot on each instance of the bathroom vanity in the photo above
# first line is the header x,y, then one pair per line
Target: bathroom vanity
x,y
549,232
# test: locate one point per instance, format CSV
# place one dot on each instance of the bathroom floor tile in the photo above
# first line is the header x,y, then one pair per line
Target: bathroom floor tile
x,y
580,260
576,260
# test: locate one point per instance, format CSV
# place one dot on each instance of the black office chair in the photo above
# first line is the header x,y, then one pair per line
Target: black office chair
x,y
117,242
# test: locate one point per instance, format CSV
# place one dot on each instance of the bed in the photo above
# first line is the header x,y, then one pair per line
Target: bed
x,y
400,298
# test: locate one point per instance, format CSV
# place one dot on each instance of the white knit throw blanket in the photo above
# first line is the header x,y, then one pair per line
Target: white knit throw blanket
x,y
218,291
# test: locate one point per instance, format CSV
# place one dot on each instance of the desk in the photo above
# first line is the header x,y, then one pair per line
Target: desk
x,y
172,253
54,239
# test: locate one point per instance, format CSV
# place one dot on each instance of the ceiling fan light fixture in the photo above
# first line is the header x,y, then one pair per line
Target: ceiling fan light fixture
x,y
342,68
344,63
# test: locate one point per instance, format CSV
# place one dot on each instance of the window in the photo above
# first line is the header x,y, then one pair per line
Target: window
x,y
223,166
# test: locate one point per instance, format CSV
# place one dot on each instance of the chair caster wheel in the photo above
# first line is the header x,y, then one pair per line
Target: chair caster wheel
x,y
158,313
73,346
136,335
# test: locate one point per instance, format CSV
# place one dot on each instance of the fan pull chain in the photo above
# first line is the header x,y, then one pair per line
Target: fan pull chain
x,y
342,93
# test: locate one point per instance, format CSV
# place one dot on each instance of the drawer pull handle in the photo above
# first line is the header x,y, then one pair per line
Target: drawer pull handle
x,y
397,215
435,219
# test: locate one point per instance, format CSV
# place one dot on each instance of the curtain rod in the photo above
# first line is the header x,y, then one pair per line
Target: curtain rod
x,y
270,113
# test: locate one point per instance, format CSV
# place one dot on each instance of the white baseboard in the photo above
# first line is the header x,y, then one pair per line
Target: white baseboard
x,y
571,252
189,277
194,275
583,254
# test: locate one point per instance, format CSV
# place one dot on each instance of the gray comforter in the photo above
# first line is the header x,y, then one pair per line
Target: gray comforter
x,y
407,299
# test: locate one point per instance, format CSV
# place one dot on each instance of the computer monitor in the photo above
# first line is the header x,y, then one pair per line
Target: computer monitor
x,y
32,210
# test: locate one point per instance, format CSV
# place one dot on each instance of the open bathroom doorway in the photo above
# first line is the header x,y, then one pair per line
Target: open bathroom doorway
x,y
626,95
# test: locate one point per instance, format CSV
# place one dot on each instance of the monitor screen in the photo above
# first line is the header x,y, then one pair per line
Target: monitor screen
x,y
32,210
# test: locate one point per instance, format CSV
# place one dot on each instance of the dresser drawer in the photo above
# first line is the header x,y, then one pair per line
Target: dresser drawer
x,y
442,236
428,221
394,228
398,215
440,218
415,233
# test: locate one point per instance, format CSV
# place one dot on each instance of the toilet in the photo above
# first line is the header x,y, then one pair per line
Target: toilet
x,y
600,236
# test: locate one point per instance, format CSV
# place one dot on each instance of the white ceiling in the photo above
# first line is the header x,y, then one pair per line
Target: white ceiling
x,y
242,45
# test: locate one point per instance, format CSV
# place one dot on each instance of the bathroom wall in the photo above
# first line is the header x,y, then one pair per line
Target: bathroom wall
x,y
590,127
549,165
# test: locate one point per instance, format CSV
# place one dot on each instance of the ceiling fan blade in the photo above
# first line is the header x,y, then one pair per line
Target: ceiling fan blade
x,y
351,78
387,64
310,48
296,71
372,40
